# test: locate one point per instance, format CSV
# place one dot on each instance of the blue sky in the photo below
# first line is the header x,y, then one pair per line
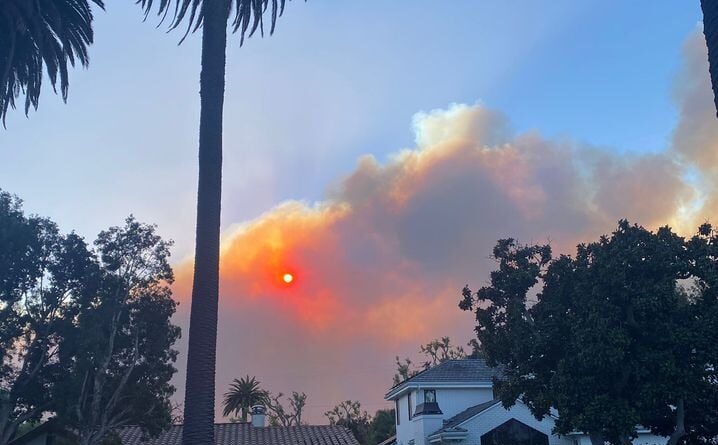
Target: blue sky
x,y
338,79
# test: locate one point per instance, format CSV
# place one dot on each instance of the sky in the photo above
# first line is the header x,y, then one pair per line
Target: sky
x,y
377,150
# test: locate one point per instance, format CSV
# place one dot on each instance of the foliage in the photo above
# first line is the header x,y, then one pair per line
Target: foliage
x,y
84,335
434,352
622,334
42,275
116,351
368,430
248,14
41,35
279,415
383,425
350,415
243,394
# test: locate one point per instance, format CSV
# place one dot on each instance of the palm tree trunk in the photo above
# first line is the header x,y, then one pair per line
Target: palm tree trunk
x,y
199,397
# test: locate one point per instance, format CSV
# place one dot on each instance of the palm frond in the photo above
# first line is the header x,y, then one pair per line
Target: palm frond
x,y
243,394
247,16
41,35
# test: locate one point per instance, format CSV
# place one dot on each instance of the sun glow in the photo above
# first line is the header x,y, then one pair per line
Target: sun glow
x,y
287,278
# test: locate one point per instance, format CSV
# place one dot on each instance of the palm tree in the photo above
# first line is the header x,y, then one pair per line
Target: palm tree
x,y
243,394
41,35
213,17
710,29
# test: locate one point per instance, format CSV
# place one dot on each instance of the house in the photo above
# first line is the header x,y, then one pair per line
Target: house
x,y
242,433
453,403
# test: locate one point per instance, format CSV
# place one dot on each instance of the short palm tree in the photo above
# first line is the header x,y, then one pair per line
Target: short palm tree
x,y
39,35
213,17
243,394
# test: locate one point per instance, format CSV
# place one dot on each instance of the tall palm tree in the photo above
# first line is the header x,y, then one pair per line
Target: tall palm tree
x,y
41,35
243,394
710,29
212,17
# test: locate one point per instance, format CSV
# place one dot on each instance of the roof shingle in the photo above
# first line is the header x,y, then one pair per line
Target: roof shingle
x,y
246,434
456,371
465,415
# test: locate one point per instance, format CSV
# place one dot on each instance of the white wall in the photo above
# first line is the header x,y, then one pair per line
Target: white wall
x,y
497,415
451,402
404,430
454,401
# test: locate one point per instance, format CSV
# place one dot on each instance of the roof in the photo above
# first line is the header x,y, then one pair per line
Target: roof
x,y
465,371
710,29
246,434
389,441
465,415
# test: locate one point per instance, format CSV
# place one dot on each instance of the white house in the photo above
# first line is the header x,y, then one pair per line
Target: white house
x,y
453,403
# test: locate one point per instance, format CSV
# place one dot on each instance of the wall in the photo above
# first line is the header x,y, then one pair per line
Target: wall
x,y
451,402
404,430
497,415
454,401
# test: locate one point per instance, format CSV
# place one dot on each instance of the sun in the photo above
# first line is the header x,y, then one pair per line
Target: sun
x,y
287,278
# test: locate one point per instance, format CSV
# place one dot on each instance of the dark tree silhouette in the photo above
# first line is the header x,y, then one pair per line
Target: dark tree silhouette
x,y
710,29
621,334
213,17
38,35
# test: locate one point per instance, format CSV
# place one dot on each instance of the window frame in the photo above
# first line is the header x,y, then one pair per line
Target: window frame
x,y
408,405
432,391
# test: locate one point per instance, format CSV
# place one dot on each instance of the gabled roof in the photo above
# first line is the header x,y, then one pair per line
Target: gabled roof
x,y
246,434
451,372
463,416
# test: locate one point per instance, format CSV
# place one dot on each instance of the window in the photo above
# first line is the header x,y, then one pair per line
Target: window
x,y
514,432
408,400
396,409
429,396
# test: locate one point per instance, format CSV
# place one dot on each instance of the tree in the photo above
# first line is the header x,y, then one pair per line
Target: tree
x,y
350,415
281,416
41,35
620,335
710,29
383,425
212,17
243,394
116,350
368,430
434,352
42,274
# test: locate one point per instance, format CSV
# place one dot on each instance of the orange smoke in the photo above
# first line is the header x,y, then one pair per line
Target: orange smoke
x,y
379,265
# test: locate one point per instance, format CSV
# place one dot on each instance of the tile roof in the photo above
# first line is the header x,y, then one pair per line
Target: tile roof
x,y
465,415
246,434
456,371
